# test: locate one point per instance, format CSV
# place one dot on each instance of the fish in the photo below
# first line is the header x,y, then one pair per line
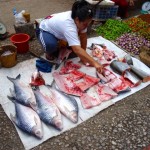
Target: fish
x,y
108,54
144,76
27,120
133,78
47,110
119,67
128,59
102,78
88,81
36,79
67,85
88,101
22,93
68,67
106,75
119,85
63,55
75,75
66,104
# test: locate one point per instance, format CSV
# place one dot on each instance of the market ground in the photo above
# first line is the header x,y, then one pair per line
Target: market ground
x,y
123,126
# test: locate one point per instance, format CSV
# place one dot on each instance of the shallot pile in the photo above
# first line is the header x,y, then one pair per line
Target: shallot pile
x,y
132,42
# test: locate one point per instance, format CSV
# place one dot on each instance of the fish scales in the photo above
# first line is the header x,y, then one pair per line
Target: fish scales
x,y
66,104
48,111
27,120
22,93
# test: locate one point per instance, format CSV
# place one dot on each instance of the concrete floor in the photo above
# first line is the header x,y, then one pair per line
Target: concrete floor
x,y
123,126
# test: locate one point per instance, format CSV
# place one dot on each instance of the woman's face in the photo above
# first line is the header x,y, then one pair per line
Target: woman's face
x,y
81,25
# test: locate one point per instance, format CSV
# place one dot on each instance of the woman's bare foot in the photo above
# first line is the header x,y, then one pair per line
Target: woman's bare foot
x,y
50,56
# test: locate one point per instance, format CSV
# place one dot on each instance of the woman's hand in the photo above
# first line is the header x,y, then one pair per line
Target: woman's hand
x,y
99,67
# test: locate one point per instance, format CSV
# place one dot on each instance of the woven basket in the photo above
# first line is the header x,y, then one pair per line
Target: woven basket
x,y
8,61
145,57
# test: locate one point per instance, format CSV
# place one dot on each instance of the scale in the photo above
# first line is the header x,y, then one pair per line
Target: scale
x,y
3,31
146,6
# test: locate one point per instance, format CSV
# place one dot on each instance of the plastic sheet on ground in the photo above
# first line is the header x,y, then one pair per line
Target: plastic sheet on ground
x,y
26,69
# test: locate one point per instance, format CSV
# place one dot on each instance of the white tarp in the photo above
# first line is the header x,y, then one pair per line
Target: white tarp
x,y
26,68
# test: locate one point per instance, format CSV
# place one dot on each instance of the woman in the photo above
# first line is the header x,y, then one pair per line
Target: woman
x,y
123,7
70,26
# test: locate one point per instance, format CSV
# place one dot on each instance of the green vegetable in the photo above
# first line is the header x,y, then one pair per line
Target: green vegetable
x,y
113,29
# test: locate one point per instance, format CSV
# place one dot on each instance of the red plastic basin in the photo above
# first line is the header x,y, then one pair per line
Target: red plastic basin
x,y
21,41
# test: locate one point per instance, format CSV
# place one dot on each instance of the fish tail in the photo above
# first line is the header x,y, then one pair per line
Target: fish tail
x,y
14,79
13,118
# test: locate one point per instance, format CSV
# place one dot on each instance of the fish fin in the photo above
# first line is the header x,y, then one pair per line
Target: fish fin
x,y
35,119
12,92
13,119
18,77
13,79
81,118
11,98
32,104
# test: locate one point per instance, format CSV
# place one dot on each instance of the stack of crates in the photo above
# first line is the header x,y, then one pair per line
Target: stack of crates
x,y
104,12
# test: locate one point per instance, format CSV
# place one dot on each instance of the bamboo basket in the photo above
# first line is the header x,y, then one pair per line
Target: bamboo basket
x,y
145,57
8,61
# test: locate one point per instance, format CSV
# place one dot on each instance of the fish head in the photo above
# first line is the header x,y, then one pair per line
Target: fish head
x,y
74,116
37,131
58,123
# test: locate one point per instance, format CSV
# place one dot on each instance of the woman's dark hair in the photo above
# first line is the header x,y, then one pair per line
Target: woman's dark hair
x,y
82,9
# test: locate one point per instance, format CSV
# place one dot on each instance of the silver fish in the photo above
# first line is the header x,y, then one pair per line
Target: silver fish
x,y
132,77
119,67
47,110
128,59
140,73
66,104
22,93
27,120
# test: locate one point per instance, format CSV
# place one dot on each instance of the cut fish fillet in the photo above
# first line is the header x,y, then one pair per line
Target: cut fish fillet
x,y
88,81
67,85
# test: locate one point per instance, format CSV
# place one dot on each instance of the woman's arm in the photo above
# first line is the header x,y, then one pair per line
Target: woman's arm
x,y
85,57
83,40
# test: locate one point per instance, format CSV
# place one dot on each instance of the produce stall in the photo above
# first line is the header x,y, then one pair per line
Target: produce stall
x,y
130,34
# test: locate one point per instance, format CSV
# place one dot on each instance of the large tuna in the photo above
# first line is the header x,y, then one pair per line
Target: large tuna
x,y
66,104
47,110
22,93
27,120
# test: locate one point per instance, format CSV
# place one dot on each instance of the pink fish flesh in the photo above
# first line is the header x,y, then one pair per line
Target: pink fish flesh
x,y
119,85
68,67
109,55
67,85
101,93
88,81
88,101
75,75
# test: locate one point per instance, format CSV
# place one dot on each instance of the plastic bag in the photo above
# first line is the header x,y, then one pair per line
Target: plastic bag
x,y
19,18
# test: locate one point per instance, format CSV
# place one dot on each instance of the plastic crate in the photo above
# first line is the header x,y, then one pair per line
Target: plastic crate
x,y
105,12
